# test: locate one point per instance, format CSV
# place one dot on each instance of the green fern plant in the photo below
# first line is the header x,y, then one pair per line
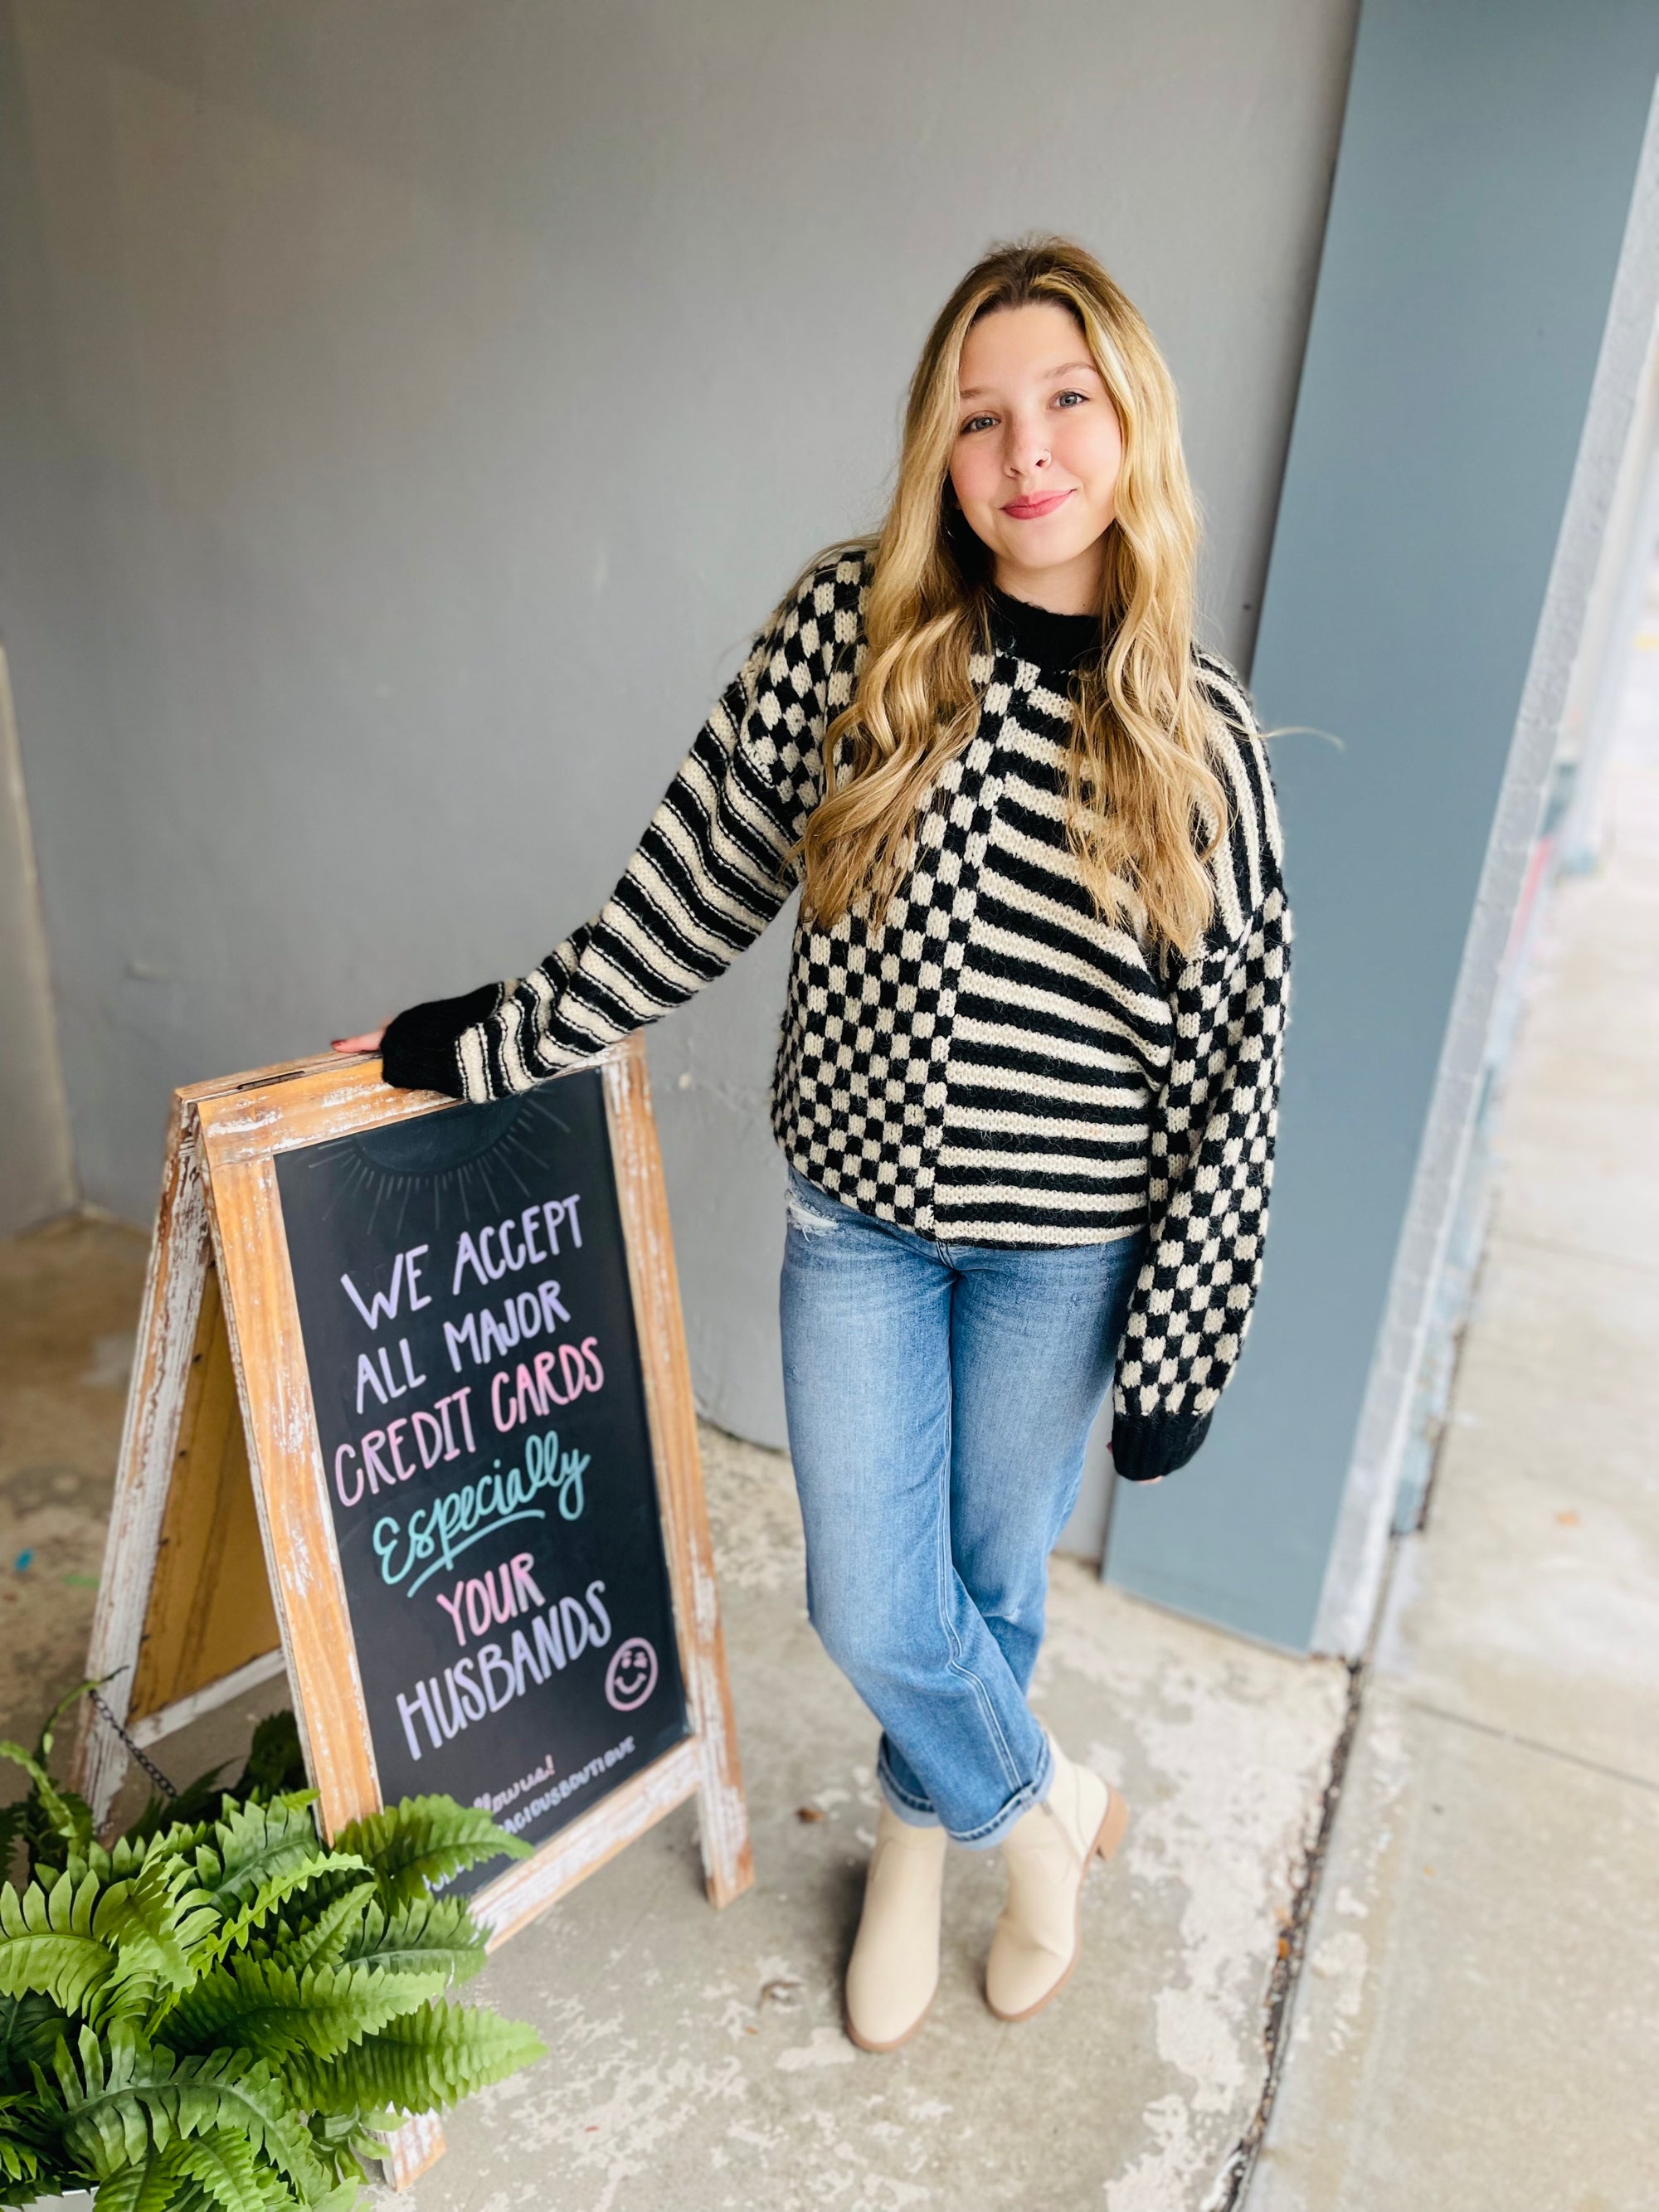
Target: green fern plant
x,y
219,2014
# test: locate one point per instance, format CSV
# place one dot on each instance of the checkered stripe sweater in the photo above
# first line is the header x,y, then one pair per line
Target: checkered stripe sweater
x,y
990,1063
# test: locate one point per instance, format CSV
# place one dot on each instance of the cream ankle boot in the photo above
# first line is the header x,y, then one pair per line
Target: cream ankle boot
x,y
894,1969
1048,1852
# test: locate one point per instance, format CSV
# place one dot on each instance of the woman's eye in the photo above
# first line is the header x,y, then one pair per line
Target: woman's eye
x,y
1064,399
977,423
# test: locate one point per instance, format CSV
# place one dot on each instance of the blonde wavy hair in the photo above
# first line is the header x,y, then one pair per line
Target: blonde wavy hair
x,y
1145,808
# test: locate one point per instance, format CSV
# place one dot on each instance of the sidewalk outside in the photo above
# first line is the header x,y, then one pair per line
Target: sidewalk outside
x,y
1479,2029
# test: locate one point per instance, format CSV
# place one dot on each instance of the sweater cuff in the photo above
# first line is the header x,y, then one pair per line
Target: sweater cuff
x,y
1147,1445
418,1050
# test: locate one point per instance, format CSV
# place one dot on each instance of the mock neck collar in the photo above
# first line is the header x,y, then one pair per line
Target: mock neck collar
x,y
1055,642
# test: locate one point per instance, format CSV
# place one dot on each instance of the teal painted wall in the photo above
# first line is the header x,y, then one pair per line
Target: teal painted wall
x,y
1485,174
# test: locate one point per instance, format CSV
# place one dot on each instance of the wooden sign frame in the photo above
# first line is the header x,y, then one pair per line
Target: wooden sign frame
x,y
177,1601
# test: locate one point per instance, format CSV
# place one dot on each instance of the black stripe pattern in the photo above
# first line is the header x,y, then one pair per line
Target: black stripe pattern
x,y
990,1062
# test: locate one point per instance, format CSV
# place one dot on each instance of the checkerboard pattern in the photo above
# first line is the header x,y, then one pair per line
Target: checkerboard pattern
x,y
857,1102
1211,1169
988,1062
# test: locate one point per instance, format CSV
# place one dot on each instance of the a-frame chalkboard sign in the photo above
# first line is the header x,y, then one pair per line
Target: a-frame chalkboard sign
x,y
411,1419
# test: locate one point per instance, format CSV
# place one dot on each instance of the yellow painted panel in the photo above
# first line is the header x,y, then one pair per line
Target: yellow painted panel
x,y
209,1607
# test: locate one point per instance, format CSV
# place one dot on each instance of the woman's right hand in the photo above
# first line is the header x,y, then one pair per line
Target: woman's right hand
x,y
368,1041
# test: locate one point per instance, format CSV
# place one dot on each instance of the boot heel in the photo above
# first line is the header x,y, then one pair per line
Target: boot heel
x,y
1048,1852
1113,1827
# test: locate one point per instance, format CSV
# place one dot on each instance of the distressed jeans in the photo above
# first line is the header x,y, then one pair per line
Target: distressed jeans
x,y
939,1397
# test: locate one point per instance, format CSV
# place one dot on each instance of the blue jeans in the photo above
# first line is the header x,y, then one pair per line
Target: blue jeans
x,y
939,1397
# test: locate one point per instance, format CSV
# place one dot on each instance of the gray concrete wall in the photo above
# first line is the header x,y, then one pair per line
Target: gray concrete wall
x,y
410,412
37,1173
1458,435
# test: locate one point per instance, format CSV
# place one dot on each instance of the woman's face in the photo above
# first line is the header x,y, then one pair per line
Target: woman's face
x,y
1036,456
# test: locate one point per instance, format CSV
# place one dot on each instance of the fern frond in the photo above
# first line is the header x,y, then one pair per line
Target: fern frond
x,y
146,2184
325,1939
347,2145
30,2025
428,1931
66,1814
18,2162
133,2000
127,2097
332,2133
275,1759
252,2007
158,1920
424,1840
30,2192
432,2056
160,2182
30,2119
223,2162
197,1804
43,1747
13,1819
188,2196
27,2175
46,1940
226,2090
259,1855
105,2063
179,1839
267,2008
343,2197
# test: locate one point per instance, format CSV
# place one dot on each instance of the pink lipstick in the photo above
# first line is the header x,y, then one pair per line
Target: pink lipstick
x,y
1029,510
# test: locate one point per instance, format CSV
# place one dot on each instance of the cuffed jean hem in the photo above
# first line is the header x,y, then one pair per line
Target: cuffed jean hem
x,y
916,1813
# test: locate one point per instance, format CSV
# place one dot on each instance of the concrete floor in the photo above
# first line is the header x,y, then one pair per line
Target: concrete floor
x,y
69,1301
1479,2027
697,2058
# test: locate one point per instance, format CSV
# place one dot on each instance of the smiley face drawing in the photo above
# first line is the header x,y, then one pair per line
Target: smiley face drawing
x,y
632,1675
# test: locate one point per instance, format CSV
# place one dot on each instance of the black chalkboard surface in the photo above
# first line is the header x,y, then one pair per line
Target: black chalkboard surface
x,y
463,1292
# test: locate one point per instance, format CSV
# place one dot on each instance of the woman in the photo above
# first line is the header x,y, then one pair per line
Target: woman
x,y
1027,1081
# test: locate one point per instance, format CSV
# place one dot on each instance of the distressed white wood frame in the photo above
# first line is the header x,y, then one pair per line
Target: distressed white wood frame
x,y
219,1200
183,1711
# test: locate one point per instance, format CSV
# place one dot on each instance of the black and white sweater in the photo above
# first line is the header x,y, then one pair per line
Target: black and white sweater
x,y
990,1063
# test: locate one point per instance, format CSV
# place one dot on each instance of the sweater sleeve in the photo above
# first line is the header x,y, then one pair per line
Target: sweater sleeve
x,y
1212,1132
717,861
